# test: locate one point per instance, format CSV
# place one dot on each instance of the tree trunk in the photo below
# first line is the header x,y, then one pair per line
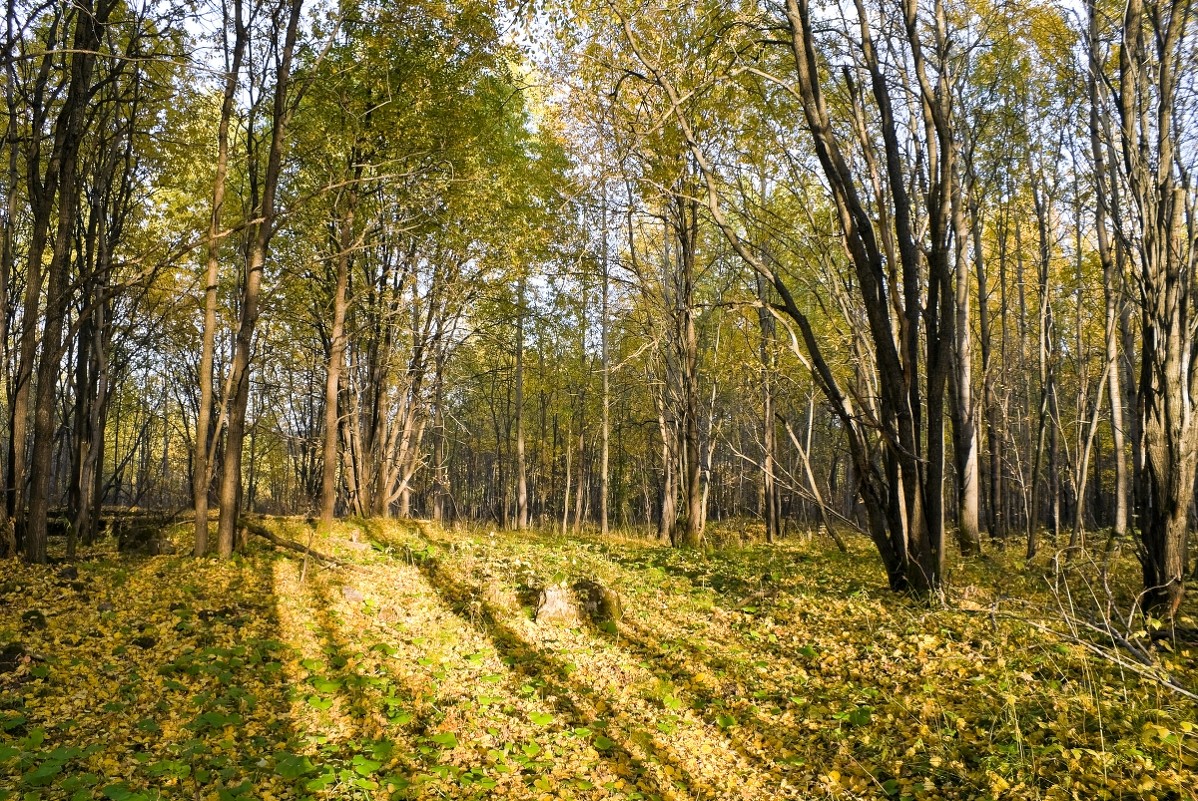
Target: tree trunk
x,y
230,487
521,465
201,461
8,542
964,406
1112,276
89,23
328,476
688,359
42,190
765,322
1152,53
605,457
668,513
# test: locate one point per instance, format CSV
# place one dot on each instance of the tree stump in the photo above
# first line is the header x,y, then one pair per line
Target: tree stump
x,y
600,604
584,600
554,605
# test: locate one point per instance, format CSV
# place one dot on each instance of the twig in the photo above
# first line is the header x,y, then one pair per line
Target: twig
x,y
1143,670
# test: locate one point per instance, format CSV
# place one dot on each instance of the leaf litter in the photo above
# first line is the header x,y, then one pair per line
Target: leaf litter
x,y
417,671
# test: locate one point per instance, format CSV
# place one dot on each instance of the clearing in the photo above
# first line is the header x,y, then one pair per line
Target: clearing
x,y
416,670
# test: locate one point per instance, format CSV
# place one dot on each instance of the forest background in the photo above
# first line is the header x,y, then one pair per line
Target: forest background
x,y
906,269
835,360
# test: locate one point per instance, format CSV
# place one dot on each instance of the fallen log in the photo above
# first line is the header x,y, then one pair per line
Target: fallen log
x,y
259,530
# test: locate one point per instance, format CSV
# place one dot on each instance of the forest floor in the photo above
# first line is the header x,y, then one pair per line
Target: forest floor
x,y
416,670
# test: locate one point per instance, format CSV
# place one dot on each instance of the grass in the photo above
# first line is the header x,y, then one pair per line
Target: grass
x,y
417,671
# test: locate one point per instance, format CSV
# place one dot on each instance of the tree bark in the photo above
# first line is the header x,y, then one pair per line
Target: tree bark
x,y
605,455
1112,276
201,463
89,22
521,465
332,389
765,322
263,228
1152,54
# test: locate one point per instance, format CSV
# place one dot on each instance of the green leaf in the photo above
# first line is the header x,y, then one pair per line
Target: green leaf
x,y
169,767
323,781
231,793
541,718
79,781
445,739
603,743
316,702
326,685
292,766
44,773
859,716
364,766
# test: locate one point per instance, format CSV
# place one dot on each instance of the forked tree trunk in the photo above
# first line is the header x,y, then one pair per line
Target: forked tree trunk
x,y
896,267
1152,53
201,479
89,22
230,487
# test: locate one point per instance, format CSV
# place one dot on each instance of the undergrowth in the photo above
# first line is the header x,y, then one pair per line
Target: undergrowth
x,y
416,671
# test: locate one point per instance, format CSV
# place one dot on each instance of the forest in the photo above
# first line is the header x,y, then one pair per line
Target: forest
x,y
599,399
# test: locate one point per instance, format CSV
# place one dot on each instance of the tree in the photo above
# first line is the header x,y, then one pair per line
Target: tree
x,y
1155,46
204,448
261,230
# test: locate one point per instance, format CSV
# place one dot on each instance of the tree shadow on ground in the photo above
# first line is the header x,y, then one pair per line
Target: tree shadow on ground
x,y
152,677
572,700
356,702
710,703
578,699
